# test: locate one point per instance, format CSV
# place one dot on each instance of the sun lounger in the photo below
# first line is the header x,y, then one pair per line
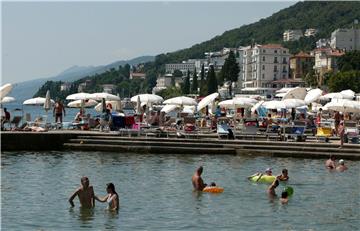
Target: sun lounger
x,y
323,131
293,132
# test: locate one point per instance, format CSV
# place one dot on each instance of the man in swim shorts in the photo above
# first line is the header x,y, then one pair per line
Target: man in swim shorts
x,y
58,111
330,163
85,193
284,175
197,181
341,167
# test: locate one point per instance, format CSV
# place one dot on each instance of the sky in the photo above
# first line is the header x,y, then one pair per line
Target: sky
x,y
42,39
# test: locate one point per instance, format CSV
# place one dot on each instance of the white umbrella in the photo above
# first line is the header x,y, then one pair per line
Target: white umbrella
x,y
138,105
348,94
47,103
79,96
82,103
147,98
115,104
189,109
294,103
36,101
284,104
5,90
207,100
274,104
181,100
7,99
280,95
256,106
313,95
296,93
227,103
334,95
104,95
238,103
343,105
168,108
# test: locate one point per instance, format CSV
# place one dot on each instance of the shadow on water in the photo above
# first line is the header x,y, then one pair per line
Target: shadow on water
x,y
84,215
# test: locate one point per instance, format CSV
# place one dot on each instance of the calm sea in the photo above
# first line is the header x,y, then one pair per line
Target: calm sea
x,y
156,193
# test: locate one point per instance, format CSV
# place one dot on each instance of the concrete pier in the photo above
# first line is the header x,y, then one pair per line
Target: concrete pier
x,y
113,142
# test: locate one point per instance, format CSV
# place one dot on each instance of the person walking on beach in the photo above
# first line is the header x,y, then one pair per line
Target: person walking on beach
x,y
341,131
58,111
342,167
197,181
330,163
85,193
112,198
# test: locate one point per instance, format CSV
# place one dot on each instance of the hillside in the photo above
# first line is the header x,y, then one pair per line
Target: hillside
x,y
325,16
28,89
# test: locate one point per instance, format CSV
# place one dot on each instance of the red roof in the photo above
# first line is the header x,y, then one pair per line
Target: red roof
x,y
302,54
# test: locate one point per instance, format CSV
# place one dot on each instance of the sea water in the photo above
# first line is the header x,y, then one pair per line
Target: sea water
x,y
156,193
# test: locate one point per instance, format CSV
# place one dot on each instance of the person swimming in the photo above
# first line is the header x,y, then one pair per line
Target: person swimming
x,y
284,197
341,167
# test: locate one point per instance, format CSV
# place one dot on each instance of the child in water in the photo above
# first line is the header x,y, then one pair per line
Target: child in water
x,y
284,197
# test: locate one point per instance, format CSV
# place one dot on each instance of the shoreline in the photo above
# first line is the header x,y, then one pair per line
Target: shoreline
x,y
192,144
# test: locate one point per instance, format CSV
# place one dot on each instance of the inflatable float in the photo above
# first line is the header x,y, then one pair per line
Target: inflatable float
x,y
289,190
263,179
213,189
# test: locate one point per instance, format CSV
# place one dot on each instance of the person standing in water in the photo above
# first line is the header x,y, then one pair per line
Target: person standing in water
x,y
272,187
330,163
284,175
284,197
112,198
341,167
197,181
85,193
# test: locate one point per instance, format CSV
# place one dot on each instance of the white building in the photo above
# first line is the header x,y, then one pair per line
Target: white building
x,y
165,81
65,86
263,64
345,39
292,35
322,43
310,32
109,88
183,67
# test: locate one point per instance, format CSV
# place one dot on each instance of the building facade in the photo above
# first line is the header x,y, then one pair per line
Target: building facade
x,y
310,32
326,61
263,64
165,81
292,35
345,39
301,64
183,67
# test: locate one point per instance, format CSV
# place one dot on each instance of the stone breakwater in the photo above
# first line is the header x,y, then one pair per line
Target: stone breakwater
x,y
113,142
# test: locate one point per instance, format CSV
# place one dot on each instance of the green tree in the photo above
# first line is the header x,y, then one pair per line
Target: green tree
x,y
126,71
212,82
349,61
203,86
230,70
170,92
311,79
186,86
177,73
194,86
345,80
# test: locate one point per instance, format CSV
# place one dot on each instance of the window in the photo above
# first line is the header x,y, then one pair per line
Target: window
x,y
263,67
275,60
275,68
284,52
284,60
275,51
263,58
263,76
264,51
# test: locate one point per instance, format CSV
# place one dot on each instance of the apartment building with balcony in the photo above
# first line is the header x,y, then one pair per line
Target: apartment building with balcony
x,y
345,39
264,64
326,60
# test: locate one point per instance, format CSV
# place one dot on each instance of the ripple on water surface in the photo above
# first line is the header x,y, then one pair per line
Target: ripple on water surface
x,y
155,193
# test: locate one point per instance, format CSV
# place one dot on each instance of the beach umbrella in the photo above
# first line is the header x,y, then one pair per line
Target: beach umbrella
x,y
348,94
293,103
295,93
104,95
79,96
82,103
343,105
47,103
181,100
115,104
188,109
169,107
281,94
36,101
313,95
207,100
5,90
238,103
274,104
147,98
7,99
333,95
283,104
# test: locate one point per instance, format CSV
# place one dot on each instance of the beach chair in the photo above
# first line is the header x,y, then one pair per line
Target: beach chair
x,y
294,132
351,133
323,131
272,131
222,130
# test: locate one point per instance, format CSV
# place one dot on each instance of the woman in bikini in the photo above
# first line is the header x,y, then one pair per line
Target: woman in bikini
x,y
112,198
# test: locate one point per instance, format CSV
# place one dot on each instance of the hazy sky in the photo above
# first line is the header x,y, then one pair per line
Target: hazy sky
x,y
42,39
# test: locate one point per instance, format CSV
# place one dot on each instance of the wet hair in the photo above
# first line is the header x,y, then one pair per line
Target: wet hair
x,y
5,109
332,157
84,178
213,184
284,194
112,187
284,170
